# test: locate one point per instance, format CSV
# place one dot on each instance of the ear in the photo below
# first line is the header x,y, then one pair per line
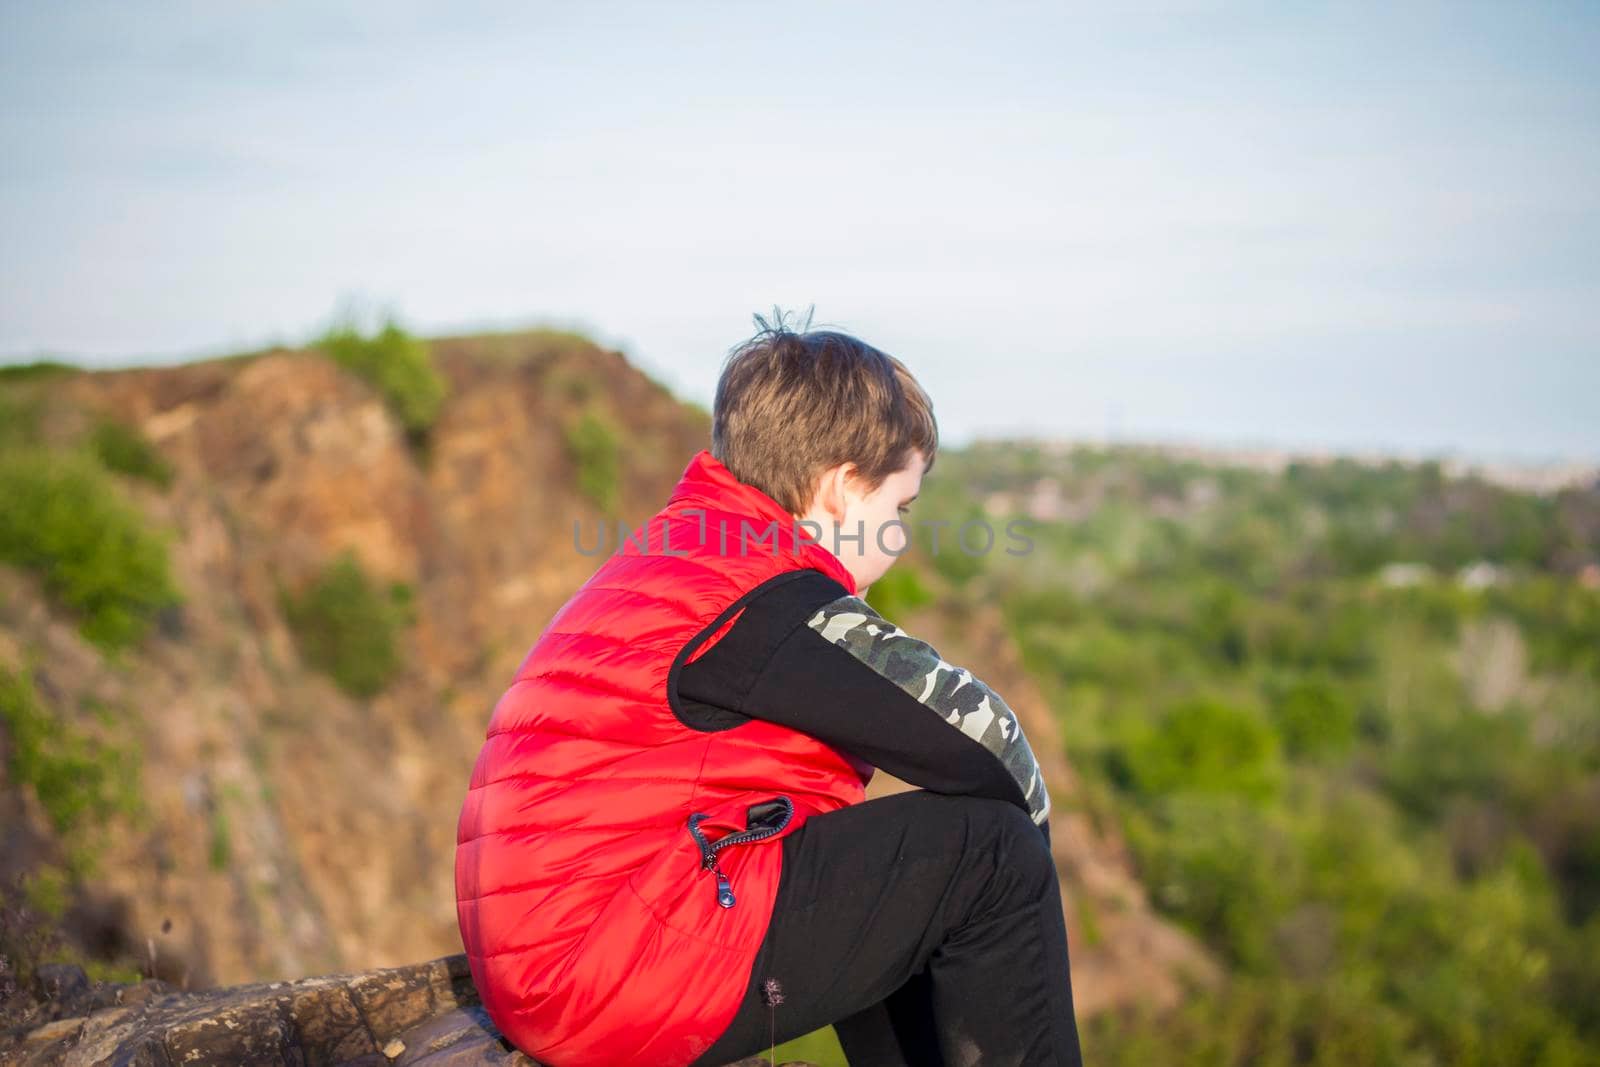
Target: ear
x,y
831,493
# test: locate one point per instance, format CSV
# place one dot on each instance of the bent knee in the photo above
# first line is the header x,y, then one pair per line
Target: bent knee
x,y
1009,828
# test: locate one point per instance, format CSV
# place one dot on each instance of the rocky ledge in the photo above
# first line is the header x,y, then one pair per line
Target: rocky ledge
x,y
427,1014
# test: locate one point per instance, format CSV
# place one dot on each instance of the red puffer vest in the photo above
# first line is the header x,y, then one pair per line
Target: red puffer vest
x,y
615,868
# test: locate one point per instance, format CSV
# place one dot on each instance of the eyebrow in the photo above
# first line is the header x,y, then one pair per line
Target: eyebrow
x,y
914,496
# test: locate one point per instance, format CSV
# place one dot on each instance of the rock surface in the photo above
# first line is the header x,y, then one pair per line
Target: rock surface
x,y
423,1015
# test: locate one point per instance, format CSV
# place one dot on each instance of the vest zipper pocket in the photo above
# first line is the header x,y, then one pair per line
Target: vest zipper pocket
x,y
709,849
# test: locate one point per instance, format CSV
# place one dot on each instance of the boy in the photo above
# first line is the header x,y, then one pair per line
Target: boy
x,y
665,836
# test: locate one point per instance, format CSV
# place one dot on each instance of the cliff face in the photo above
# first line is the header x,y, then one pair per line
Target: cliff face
x,y
337,815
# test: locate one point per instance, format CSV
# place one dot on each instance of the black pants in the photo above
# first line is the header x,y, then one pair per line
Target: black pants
x,y
927,929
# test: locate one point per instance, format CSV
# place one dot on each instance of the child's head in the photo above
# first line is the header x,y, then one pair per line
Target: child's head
x,y
832,429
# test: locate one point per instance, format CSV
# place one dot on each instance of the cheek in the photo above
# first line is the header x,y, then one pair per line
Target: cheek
x,y
894,534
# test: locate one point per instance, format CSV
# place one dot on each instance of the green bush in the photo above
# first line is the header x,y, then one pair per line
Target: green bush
x,y
961,558
79,780
898,592
397,364
1257,1022
1314,717
1460,753
348,628
21,413
1201,745
1222,866
594,446
35,371
123,449
61,518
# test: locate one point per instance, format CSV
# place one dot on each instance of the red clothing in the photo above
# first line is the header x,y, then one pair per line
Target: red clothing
x,y
601,928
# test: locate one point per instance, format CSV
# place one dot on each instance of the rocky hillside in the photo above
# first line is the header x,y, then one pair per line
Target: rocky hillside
x,y
295,818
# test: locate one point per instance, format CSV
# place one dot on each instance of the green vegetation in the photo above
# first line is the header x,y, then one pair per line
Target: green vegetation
x,y
1288,736
395,363
26,402
80,780
1289,742
21,413
60,518
47,890
595,447
221,846
38,369
123,449
1203,746
964,545
898,592
820,1047
31,907
63,516
1314,717
348,627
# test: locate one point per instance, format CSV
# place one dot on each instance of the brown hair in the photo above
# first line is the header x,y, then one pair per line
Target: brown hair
x,y
790,405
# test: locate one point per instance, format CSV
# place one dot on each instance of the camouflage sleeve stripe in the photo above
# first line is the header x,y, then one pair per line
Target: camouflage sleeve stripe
x,y
951,692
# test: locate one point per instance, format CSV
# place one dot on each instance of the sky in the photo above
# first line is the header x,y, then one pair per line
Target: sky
x,y
1351,226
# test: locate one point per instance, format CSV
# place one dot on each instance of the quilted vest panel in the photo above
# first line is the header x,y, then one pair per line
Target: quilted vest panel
x,y
596,930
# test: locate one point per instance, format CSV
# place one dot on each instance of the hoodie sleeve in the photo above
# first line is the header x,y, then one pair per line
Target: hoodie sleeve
x,y
801,651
